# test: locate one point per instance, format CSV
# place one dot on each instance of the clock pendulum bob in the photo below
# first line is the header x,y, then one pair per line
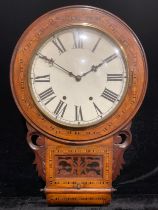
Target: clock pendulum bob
x,y
79,173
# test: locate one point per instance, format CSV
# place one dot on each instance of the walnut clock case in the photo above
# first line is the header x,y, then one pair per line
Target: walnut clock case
x,y
78,76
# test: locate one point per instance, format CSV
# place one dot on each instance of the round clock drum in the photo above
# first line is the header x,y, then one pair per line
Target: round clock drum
x,y
78,76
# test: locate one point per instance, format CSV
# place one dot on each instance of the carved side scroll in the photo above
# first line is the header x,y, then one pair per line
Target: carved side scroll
x,y
122,140
36,142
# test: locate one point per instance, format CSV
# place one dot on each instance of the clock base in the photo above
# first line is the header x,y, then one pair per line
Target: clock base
x,y
79,197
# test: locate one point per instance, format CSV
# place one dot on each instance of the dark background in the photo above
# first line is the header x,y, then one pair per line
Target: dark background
x,y
17,174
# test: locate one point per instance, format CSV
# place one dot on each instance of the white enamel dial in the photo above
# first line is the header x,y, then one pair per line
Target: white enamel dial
x,y
78,76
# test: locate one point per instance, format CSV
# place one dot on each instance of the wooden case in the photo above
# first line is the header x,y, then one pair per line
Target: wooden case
x,y
101,142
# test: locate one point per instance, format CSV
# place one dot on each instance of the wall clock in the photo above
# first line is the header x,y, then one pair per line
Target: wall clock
x,y
78,76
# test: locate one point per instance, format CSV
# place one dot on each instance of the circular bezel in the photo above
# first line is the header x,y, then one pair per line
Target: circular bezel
x,y
87,16
47,115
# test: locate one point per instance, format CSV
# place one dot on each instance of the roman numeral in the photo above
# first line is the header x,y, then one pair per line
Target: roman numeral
x,y
60,109
47,95
57,42
114,77
98,111
96,44
44,78
78,113
109,95
110,58
78,41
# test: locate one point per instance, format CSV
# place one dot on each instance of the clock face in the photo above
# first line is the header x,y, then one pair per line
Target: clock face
x,y
78,76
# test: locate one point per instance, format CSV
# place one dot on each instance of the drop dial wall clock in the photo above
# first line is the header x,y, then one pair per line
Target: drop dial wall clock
x,y
78,76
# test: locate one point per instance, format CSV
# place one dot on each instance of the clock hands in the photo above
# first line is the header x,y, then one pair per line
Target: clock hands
x,y
93,68
52,62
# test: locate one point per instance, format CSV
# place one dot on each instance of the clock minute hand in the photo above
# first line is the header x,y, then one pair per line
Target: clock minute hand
x,y
65,70
51,61
44,57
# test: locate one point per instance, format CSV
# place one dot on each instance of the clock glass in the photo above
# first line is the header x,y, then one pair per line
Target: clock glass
x,y
78,76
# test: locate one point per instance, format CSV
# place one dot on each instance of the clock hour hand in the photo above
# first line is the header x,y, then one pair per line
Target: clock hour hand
x,y
94,68
106,60
51,61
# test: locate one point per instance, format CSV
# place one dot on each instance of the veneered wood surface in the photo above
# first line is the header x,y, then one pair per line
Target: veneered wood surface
x,y
119,147
56,20
76,185
99,140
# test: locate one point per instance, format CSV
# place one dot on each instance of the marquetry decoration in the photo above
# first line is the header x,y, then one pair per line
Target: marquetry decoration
x,y
122,140
56,20
79,168
78,163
